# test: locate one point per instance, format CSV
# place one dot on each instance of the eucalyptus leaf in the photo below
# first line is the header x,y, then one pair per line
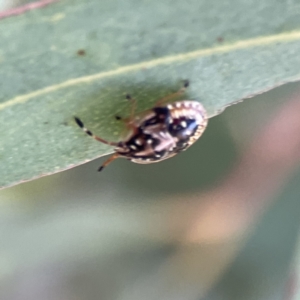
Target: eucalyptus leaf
x,y
81,58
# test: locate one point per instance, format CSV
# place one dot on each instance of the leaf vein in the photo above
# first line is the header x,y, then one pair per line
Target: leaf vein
x,y
244,44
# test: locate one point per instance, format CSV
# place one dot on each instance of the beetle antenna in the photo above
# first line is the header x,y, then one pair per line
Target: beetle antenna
x,y
95,137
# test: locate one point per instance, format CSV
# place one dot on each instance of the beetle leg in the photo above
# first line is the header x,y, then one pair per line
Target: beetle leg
x,y
167,99
133,107
108,161
132,110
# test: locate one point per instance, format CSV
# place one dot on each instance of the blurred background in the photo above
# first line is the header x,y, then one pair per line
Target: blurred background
x,y
7,4
219,221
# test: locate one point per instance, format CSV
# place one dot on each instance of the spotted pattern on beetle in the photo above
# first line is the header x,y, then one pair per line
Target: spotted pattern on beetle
x,y
164,132
159,133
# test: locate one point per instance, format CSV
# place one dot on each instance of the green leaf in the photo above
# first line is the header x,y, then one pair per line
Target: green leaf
x,y
81,57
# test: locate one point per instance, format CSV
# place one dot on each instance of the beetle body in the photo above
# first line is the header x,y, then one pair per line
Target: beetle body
x,y
159,133
163,132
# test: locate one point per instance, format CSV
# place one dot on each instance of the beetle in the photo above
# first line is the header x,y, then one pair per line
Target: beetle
x,y
158,133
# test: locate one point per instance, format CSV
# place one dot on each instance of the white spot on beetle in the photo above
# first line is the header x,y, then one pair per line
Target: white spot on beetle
x,y
138,142
183,124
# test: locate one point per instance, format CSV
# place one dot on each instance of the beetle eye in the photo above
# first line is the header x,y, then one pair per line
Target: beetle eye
x,y
183,128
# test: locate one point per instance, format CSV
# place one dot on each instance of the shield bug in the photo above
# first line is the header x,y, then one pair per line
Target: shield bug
x,y
158,133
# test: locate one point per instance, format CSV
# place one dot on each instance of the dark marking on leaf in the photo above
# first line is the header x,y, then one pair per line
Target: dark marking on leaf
x,y
81,52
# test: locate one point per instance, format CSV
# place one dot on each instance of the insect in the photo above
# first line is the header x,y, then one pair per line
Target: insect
x,y
158,133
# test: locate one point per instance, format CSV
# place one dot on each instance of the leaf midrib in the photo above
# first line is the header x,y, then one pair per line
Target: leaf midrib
x,y
227,48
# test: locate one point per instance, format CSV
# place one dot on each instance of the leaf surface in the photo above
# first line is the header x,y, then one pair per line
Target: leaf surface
x,y
81,58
